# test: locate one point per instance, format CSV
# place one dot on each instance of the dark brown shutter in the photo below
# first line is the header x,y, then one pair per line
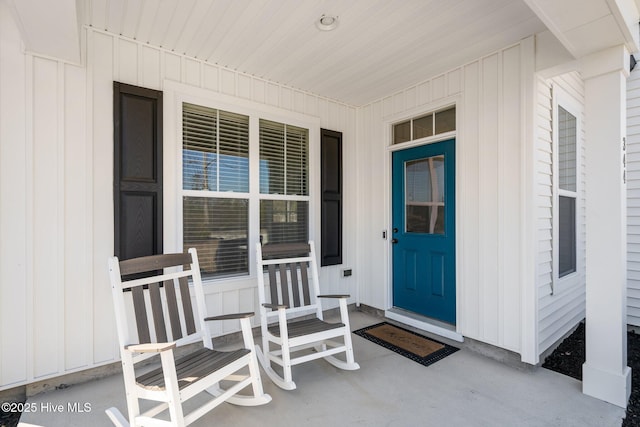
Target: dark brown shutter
x,y
137,119
331,189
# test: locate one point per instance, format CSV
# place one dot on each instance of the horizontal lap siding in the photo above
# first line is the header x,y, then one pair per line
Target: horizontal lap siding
x,y
544,193
561,310
633,198
559,314
56,167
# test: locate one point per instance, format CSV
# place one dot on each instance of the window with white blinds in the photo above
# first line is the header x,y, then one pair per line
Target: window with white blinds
x,y
284,170
215,150
219,189
219,230
215,159
284,221
283,159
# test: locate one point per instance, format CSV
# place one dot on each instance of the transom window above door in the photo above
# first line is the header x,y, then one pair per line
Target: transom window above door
x,y
425,125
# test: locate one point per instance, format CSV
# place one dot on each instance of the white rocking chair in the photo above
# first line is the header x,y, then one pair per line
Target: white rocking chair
x,y
294,293
162,320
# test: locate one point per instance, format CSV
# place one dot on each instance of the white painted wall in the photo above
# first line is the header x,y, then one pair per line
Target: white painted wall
x,y
490,95
633,197
561,304
15,228
56,175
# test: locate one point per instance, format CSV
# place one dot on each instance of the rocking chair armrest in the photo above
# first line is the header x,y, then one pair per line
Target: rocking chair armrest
x,y
152,347
275,306
231,316
334,296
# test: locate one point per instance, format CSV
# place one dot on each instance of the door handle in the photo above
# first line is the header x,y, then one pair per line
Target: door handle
x,y
394,241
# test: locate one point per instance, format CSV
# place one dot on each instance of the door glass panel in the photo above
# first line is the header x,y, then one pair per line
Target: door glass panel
x,y
424,195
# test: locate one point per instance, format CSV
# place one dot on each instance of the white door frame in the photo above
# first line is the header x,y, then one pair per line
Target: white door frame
x,y
417,321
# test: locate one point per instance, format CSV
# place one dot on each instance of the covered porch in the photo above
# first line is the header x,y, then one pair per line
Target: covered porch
x,y
497,68
463,389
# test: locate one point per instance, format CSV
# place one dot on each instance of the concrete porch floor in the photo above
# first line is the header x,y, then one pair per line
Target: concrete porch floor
x,y
463,389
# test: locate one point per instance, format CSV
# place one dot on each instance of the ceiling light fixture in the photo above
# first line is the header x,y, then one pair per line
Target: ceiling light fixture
x,y
327,22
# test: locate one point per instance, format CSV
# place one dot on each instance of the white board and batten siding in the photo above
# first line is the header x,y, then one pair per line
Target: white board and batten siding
x,y
488,94
15,227
560,307
56,173
633,197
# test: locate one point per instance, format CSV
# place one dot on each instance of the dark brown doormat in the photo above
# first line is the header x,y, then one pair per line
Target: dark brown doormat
x,y
407,343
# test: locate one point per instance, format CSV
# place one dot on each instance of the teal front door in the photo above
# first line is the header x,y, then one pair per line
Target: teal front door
x,y
423,234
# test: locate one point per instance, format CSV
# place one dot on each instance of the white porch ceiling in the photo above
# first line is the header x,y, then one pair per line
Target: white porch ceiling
x,y
49,28
584,27
379,47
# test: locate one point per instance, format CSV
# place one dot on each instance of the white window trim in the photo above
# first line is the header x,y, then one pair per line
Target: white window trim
x,y
175,94
571,105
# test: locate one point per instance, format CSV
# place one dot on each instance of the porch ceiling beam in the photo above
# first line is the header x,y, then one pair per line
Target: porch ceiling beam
x,y
49,28
585,27
627,14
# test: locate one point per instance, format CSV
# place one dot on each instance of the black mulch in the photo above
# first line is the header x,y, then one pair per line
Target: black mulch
x,y
9,419
568,358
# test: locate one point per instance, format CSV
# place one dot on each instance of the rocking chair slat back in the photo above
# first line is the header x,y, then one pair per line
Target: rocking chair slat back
x,y
187,306
273,283
284,284
148,292
305,283
140,310
172,308
289,273
294,284
156,310
152,263
280,249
